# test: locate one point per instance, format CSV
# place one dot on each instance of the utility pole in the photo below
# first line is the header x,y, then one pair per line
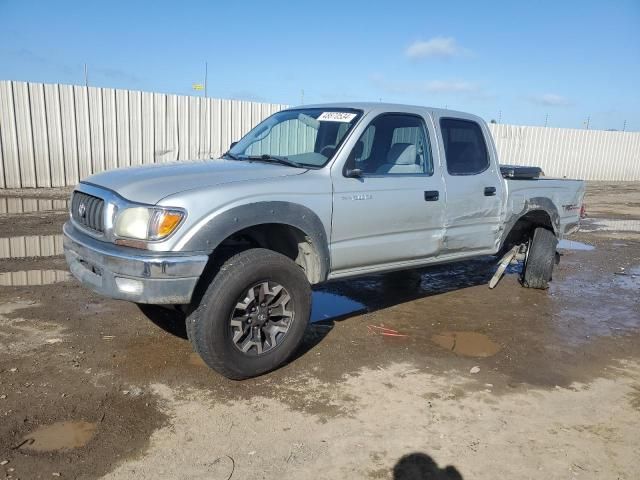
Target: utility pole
x,y
624,126
86,76
587,122
499,116
546,119
205,78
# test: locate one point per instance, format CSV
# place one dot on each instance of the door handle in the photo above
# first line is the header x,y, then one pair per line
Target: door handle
x,y
489,191
431,196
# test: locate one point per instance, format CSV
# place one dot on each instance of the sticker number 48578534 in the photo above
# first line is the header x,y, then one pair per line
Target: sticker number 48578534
x,y
336,117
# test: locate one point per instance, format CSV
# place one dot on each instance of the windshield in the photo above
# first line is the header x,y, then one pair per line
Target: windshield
x,y
307,137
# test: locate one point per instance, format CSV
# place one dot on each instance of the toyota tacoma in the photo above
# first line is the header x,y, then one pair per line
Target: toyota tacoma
x,y
311,194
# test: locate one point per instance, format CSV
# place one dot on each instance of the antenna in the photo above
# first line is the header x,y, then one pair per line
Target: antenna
x,y
206,68
86,76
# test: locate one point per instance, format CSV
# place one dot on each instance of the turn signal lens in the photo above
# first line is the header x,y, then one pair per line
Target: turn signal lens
x,y
164,222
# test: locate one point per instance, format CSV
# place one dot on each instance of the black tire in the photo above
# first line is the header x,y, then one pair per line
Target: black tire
x,y
209,324
541,256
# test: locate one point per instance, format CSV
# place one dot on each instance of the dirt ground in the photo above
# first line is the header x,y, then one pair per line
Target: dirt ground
x,y
507,383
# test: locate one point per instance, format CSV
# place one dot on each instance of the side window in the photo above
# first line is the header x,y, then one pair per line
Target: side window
x,y
393,144
464,147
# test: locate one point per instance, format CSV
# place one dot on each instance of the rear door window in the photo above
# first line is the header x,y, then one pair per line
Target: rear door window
x,y
464,147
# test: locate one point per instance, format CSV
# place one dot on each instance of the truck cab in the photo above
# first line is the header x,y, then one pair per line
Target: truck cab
x,y
433,208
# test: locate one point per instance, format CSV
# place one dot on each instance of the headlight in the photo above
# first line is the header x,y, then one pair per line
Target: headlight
x,y
144,223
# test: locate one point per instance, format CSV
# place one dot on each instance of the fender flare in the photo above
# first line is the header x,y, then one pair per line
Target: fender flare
x,y
227,223
533,204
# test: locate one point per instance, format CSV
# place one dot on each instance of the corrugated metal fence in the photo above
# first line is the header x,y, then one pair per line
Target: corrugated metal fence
x,y
571,153
54,135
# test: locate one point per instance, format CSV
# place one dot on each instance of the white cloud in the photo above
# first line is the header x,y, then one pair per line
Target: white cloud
x,y
551,100
435,47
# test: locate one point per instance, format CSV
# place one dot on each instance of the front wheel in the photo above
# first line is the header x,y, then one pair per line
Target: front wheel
x,y
252,317
541,256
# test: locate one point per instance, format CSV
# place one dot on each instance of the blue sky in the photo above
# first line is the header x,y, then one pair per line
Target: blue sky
x,y
521,61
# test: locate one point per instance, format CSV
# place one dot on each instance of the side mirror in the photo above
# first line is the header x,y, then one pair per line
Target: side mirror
x,y
351,171
233,144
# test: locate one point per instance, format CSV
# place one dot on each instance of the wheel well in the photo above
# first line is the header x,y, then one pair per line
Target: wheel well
x,y
282,238
524,227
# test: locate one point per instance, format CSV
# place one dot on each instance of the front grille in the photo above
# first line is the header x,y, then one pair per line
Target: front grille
x,y
88,211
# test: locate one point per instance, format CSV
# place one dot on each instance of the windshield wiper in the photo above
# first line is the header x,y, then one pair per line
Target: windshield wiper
x,y
230,155
275,159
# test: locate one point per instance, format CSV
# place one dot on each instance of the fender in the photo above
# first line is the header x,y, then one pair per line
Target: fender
x,y
531,205
238,218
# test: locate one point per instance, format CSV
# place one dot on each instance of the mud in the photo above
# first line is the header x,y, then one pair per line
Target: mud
x,y
351,404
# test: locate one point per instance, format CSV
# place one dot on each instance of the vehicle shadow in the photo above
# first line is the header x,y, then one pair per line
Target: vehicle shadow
x,y
168,319
385,290
339,300
420,466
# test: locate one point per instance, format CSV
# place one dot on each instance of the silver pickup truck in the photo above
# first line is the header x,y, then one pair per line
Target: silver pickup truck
x,y
311,194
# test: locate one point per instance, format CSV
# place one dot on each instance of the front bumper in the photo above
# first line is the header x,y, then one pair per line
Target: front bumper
x,y
130,274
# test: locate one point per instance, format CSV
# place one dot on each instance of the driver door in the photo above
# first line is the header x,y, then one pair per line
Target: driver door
x,y
388,200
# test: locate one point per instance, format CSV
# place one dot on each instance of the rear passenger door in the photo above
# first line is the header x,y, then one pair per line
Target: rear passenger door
x,y
391,211
474,188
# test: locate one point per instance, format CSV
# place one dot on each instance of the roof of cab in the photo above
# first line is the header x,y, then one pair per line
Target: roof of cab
x,y
380,107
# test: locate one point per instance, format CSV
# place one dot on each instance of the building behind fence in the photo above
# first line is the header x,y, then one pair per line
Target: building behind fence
x,y
53,135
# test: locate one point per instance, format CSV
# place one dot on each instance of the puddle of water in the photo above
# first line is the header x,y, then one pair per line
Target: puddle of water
x,y
565,244
28,246
629,279
26,278
468,344
59,436
28,205
328,306
585,305
609,225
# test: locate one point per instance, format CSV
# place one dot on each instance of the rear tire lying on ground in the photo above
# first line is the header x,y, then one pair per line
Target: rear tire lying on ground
x,y
541,256
253,315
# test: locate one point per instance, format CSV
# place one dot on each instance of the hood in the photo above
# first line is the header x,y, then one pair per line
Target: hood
x,y
151,183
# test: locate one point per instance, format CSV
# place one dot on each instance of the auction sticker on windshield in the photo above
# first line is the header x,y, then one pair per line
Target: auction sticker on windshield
x,y
336,117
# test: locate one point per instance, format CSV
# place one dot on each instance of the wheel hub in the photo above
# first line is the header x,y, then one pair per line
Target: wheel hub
x,y
261,318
